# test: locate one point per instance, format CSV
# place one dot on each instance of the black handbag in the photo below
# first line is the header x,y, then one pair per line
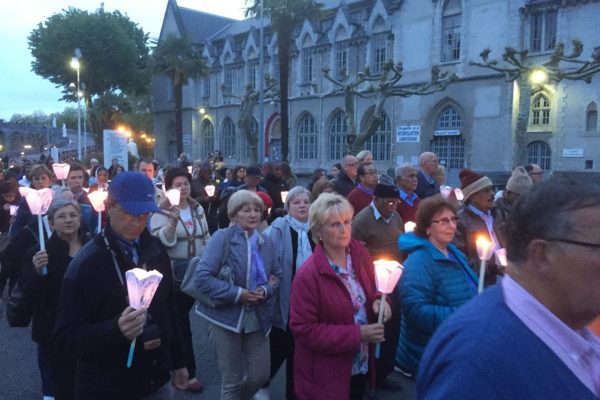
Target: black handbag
x,y
19,308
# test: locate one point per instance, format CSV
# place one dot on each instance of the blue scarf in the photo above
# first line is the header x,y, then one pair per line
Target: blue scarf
x,y
258,276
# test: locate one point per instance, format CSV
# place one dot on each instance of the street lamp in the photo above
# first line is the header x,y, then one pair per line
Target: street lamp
x,y
537,76
76,66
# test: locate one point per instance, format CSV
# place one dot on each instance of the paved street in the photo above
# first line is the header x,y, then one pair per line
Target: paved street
x,y
19,376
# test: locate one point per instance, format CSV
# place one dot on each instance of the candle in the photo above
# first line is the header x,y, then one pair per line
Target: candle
x,y
284,196
387,274
97,199
174,196
210,190
409,226
189,169
38,202
501,257
485,248
61,171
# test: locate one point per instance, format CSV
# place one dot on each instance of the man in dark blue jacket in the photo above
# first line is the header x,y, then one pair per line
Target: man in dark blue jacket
x,y
94,319
526,338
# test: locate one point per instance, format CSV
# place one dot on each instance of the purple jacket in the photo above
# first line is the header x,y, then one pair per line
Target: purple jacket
x,y
322,322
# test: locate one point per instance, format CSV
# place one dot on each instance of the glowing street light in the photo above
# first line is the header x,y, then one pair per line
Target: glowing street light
x,y
75,64
538,76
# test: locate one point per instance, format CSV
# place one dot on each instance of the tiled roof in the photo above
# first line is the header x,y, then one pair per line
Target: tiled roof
x,y
200,26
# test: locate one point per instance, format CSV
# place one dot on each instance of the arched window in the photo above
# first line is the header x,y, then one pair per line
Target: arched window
x,y
307,138
380,144
338,133
208,137
539,153
591,118
451,16
448,143
540,110
228,139
307,60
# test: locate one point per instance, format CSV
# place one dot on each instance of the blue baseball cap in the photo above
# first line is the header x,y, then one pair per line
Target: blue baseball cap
x,y
134,192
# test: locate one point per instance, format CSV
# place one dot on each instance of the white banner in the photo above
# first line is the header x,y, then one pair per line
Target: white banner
x,y
408,134
115,146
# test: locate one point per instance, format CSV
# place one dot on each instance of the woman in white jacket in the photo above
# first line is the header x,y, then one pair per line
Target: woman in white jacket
x,y
184,232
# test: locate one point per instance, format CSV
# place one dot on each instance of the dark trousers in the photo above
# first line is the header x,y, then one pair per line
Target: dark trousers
x,y
358,385
384,365
282,349
47,360
183,304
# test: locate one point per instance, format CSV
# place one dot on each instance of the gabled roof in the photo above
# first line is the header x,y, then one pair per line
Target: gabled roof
x,y
197,25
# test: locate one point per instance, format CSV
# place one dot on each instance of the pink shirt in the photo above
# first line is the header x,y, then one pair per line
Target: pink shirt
x,y
579,350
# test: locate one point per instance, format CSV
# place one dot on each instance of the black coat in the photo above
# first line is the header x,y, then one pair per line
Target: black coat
x,y
91,302
343,184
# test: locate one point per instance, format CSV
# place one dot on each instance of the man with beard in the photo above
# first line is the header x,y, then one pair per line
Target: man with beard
x,y
476,220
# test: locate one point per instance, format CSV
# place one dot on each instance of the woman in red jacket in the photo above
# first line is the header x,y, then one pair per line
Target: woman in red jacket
x,y
333,309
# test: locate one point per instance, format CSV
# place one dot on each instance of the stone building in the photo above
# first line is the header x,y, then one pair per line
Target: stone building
x,y
471,123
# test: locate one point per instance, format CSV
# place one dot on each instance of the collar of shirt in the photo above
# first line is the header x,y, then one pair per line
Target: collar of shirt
x,y
129,248
579,350
378,214
364,189
430,179
410,200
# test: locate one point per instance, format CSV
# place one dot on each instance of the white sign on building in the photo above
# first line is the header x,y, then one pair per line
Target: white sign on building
x,y
408,134
446,132
115,146
572,153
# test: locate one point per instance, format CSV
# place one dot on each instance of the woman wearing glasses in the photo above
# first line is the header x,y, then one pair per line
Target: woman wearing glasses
x,y
436,279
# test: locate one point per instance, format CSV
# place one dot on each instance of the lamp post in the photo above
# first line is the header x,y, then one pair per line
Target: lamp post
x,y
76,66
261,91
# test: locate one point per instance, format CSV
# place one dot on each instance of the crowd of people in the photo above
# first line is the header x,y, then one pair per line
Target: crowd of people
x,y
284,274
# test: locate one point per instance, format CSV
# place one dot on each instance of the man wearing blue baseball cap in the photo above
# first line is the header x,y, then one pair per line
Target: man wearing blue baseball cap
x,y
94,319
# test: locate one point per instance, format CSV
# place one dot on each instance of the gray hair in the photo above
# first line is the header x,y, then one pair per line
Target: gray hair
x,y
239,199
545,213
295,192
403,169
60,203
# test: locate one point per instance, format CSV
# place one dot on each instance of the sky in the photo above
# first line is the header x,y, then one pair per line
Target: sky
x,y
22,91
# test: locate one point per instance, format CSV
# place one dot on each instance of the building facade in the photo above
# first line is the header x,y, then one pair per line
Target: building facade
x,y
469,124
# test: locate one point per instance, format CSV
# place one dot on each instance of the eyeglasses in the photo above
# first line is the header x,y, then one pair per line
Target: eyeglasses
x,y
575,242
446,221
372,172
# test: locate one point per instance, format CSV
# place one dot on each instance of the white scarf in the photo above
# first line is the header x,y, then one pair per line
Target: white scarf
x,y
304,250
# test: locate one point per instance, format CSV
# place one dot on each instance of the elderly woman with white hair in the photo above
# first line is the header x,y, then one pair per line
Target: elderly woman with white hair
x,y
333,309
240,275
294,246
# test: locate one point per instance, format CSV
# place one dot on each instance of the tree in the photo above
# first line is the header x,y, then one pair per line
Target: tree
x,y
285,16
115,55
382,86
248,102
519,68
180,60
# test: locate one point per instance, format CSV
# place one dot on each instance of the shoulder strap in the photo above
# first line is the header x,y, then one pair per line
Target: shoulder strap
x,y
225,247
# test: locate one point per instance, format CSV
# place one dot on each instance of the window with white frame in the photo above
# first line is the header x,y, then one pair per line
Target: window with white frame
x,y
341,60
540,111
539,153
228,80
380,144
338,133
252,69
591,117
307,66
228,139
380,56
307,138
448,143
451,19
542,34
208,137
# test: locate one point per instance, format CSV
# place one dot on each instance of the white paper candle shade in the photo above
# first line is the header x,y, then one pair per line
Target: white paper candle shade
x,y
97,199
61,170
13,210
174,196
189,169
37,200
459,194
210,190
409,226
141,286
387,274
485,248
501,257
284,196
445,191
